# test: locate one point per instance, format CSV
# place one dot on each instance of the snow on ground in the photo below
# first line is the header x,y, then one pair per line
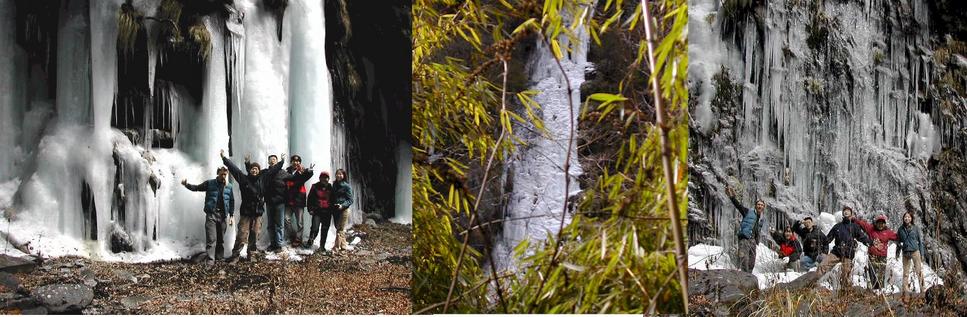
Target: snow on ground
x,y
770,269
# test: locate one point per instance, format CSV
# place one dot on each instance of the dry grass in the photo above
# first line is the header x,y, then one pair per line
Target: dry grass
x,y
318,285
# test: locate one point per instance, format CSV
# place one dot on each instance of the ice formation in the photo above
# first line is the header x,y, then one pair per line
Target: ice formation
x,y
812,107
69,180
536,171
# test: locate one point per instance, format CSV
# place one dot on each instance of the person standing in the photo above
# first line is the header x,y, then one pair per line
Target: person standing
x,y
250,220
342,199
295,199
274,190
845,234
912,248
813,246
749,230
881,237
219,204
319,204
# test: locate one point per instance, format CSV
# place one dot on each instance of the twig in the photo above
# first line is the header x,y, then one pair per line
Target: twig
x,y
666,157
482,283
476,204
567,176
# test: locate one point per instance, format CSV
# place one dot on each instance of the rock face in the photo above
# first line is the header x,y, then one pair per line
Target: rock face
x,y
721,286
817,105
11,264
366,107
61,298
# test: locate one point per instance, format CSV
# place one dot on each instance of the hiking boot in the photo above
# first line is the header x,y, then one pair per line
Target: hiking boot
x,y
209,262
232,260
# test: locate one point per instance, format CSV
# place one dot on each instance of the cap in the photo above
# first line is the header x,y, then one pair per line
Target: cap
x,y
880,218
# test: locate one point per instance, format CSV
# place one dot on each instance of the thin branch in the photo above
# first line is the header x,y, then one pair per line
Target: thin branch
x,y
482,283
476,204
567,176
666,156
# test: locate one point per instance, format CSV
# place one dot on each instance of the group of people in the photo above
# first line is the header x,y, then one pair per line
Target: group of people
x,y
806,246
282,192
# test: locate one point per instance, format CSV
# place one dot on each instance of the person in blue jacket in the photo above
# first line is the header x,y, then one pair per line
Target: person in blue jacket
x,y
219,205
911,246
749,230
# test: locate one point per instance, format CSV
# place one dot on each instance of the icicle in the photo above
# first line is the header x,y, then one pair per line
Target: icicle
x,y
234,64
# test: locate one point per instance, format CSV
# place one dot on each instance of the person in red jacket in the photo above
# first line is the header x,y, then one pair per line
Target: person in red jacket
x,y
789,247
320,206
881,237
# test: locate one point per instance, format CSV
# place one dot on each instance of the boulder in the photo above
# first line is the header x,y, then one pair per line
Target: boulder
x,y
722,286
371,223
60,298
9,283
120,240
12,264
803,281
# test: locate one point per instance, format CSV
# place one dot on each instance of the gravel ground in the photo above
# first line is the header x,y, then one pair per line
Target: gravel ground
x,y
373,279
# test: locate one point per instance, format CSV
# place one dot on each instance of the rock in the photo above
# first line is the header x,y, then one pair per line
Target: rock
x,y
371,223
9,283
722,286
39,310
16,301
88,276
374,216
60,298
364,253
803,281
356,241
126,276
12,264
383,256
133,302
120,240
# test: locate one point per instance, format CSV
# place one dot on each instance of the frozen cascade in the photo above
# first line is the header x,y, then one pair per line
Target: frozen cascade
x,y
536,171
810,109
404,184
63,163
310,90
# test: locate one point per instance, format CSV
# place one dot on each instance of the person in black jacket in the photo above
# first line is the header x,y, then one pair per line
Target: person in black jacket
x,y
274,194
844,234
813,242
321,207
252,208
295,199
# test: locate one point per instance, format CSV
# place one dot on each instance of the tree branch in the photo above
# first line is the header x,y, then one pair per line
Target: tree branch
x,y
666,160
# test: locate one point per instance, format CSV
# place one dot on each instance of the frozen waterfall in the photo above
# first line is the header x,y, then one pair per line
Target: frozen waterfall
x,y
536,172
69,181
811,108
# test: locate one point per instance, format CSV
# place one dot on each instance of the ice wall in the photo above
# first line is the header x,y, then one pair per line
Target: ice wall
x,y
811,106
69,172
536,171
